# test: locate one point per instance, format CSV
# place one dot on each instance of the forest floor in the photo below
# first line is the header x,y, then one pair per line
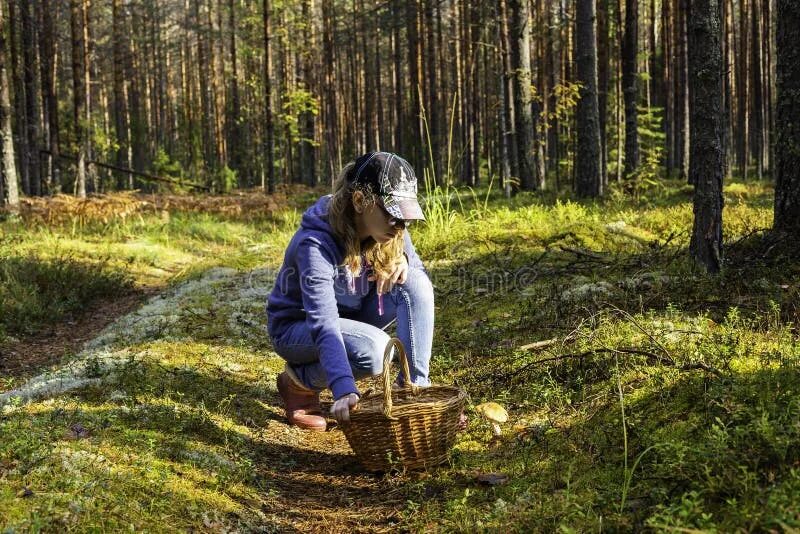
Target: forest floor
x,y
643,393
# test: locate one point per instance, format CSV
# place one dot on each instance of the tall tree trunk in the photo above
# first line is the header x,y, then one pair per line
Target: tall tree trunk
x,y
269,141
742,93
589,180
417,141
509,111
787,118
79,91
306,161
707,155
432,111
9,188
398,79
669,88
123,156
32,91
49,96
235,142
682,119
205,65
630,49
332,146
554,51
520,42
756,106
655,58
602,84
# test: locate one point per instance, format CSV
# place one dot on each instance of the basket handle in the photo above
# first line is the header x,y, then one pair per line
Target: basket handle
x,y
387,373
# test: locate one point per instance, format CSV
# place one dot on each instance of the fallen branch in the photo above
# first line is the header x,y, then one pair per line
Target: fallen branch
x,y
652,357
538,345
143,175
582,252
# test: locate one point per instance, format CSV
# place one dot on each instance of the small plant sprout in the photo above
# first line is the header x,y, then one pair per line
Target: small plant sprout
x,y
494,413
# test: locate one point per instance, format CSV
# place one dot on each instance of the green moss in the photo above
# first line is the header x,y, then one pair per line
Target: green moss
x,y
184,428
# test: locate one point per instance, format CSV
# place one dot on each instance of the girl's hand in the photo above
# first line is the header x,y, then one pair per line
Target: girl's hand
x,y
397,276
341,408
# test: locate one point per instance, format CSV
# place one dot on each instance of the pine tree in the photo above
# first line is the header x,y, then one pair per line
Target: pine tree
x,y
706,165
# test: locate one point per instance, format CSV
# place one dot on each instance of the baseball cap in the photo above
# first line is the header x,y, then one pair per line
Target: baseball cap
x,y
392,178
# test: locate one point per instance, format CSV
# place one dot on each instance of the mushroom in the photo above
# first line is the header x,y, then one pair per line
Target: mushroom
x,y
494,413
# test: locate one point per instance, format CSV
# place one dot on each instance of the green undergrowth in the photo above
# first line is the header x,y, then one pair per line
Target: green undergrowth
x,y
643,394
48,273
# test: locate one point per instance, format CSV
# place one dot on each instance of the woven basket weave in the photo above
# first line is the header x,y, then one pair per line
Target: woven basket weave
x,y
411,427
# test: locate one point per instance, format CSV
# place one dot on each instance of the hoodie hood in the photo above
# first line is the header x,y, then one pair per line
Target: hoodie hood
x,y
315,218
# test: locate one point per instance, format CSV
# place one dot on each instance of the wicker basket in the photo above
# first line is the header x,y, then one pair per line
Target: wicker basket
x,y
411,427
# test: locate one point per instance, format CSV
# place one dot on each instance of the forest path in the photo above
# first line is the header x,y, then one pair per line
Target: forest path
x,y
203,342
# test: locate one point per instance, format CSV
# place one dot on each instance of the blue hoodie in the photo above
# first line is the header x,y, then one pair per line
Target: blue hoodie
x,y
314,286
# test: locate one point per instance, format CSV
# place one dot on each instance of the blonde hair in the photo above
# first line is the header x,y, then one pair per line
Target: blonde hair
x,y
383,257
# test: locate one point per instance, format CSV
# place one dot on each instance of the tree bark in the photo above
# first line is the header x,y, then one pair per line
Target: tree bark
x,y
32,93
305,151
510,110
9,181
603,59
269,141
520,43
682,119
756,106
79,90
630,49
787,118
417,141
123,156
332,146
589,180
52,179
707,155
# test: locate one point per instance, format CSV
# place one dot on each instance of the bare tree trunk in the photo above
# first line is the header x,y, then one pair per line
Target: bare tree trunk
x,y
204,62
756,106
787,118
123,157
50,100
398,80
9,188
306,161
234,118
602,84
32,91
589,180
332,146
669,88
630,49
79,91
520,43
707,157
269,141
417,139
510,108
743,117
682,120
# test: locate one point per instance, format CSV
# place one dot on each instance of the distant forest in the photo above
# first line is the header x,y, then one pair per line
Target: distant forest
x,y
526,93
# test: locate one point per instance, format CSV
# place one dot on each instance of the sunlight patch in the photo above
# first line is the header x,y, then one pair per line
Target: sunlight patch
x,y
224,305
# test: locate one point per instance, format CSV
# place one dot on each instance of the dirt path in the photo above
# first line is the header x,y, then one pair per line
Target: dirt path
x,y
21,359
307,481
323,488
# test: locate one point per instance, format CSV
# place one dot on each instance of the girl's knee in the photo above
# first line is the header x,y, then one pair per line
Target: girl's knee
x,y
367,359
417,287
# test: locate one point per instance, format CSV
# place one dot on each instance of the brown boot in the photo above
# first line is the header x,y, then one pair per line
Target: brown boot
x,y
302,404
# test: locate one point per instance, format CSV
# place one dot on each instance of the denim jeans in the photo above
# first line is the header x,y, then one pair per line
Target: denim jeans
x,y
365,337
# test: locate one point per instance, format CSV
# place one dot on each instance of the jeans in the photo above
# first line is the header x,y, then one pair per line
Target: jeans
x,y
365,338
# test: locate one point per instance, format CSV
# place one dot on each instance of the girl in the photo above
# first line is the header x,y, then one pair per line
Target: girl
x,y
348,273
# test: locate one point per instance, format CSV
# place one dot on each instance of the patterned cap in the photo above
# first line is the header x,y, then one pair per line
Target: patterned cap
x,y
392,178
